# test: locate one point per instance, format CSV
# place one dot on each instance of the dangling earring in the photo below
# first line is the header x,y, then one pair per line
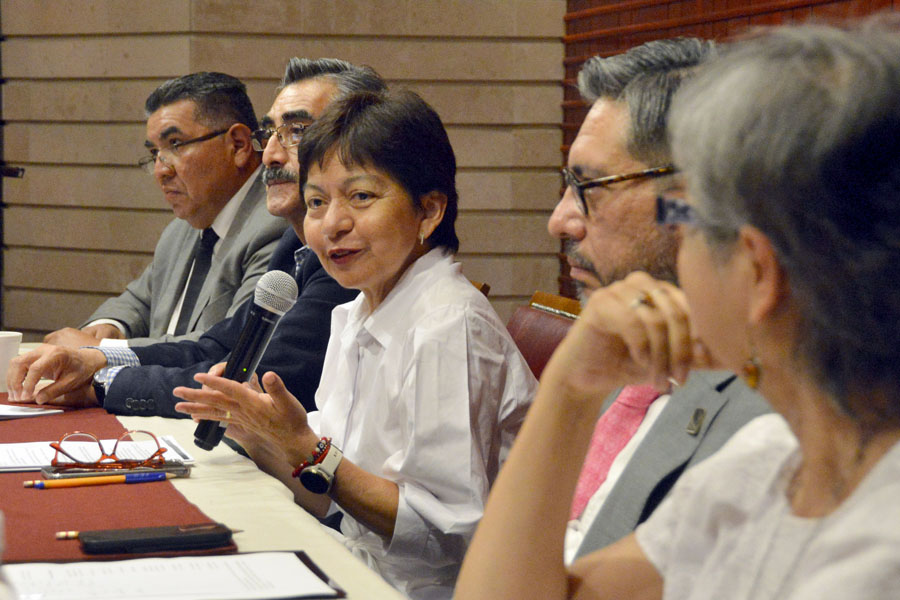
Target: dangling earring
x,y
751,372
421,238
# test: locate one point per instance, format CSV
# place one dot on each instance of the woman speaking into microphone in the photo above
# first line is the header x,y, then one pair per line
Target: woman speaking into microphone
x,y
423,390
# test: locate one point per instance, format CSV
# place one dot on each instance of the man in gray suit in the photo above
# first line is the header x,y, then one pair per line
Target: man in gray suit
x,y
617,165
208,260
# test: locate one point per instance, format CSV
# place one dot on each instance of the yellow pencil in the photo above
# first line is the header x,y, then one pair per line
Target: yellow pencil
x,y
41,484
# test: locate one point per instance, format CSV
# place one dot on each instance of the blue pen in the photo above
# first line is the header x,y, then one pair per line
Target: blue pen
x,y
41,484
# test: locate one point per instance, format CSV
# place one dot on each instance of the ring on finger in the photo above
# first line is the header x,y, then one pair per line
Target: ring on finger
x,y
227,415
643,299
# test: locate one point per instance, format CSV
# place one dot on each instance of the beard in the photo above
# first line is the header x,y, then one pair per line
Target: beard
x,y
656,259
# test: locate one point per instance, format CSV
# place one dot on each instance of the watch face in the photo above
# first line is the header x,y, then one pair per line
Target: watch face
x,y
314,480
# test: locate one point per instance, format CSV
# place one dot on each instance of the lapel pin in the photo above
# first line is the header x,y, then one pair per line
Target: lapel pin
x,y
696,423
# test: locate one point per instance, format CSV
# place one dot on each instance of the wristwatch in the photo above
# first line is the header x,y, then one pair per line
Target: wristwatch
x,y
99,391
318,476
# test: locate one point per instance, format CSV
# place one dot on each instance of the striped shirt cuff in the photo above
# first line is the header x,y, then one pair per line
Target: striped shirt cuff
x,y
116,360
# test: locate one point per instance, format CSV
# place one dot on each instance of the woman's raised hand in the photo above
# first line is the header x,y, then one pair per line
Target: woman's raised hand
x,y
273,418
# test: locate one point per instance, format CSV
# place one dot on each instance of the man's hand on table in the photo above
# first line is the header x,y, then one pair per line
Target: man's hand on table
x,y
89,336
70,369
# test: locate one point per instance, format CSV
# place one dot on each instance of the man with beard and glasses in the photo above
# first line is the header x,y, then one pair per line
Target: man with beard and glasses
x,y
618,164
139,381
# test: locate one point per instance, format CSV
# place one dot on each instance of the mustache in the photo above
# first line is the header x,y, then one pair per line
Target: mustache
x,y
569,247
273,175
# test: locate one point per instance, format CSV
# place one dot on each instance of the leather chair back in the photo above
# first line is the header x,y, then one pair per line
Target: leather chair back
x,y
539,327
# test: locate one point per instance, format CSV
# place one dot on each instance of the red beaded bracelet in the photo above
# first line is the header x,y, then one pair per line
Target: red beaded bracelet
x,y
318,456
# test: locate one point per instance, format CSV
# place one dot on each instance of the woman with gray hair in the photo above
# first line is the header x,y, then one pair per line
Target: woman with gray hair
x,y
789,266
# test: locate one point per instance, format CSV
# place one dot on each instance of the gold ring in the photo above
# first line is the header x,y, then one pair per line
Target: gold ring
x,y
643,299
227,415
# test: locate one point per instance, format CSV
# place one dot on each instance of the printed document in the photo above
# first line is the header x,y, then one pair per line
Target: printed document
x,y
256,576
8,411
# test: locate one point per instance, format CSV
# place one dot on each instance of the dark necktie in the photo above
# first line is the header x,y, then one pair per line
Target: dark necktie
x,y
203,251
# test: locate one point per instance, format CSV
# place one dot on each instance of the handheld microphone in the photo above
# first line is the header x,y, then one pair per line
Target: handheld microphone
x,y
275,294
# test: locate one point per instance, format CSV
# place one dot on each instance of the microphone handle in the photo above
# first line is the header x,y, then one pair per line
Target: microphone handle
x,y
240,366
250,347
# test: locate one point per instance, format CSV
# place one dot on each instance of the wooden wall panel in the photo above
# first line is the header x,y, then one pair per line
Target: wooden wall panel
x,y
509,188
448,18
98,272
37,310
74,143
83,17
43,227
605,28
77,73
502,233
79,100
85,186
96,100
82,56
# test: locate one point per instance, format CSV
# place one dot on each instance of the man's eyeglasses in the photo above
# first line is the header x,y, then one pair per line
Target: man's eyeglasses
x,y
167,155
580,188
131,450
675,211
288,135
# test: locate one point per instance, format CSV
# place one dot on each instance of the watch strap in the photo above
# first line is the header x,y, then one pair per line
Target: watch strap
x,y
331,461
317,475
99,391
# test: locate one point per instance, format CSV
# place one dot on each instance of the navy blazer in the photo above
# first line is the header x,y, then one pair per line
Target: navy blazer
x,y
296,351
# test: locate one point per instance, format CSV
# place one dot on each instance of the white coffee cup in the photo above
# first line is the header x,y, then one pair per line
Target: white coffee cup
x,y
9,348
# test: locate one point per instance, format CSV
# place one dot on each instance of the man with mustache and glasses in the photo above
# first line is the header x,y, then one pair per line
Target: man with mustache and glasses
x,y
208,260
617,166
139,381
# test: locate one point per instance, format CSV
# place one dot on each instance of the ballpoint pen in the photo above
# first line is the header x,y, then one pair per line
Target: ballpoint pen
x,y
102,480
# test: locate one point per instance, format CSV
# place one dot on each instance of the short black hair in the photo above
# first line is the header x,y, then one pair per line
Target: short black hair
x,y
396,132
221,99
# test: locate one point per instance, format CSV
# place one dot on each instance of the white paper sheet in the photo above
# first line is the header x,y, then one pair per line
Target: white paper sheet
x,y
258,576
32,456
18,412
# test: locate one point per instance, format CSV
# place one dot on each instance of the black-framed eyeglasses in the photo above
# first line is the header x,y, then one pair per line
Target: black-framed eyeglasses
x,y
580,187
675,211
165,155
288,135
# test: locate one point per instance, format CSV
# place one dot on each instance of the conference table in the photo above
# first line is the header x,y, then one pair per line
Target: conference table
x,y
229,488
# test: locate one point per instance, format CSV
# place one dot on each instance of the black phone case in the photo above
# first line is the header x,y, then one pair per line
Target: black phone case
x,y
155,539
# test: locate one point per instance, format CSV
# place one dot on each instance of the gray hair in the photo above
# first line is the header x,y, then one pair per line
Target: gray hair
x,y
645,78
346,76
797,133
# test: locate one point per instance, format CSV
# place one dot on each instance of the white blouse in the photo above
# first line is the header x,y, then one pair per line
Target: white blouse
x,y
427,391
727,531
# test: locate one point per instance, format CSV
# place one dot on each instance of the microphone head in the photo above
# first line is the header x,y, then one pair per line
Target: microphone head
x,y
276,291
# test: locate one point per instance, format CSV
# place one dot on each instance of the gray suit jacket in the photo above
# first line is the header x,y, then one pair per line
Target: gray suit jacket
x,y
146,306
680,438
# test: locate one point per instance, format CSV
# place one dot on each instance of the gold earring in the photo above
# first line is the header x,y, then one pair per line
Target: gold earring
x,y
751,372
